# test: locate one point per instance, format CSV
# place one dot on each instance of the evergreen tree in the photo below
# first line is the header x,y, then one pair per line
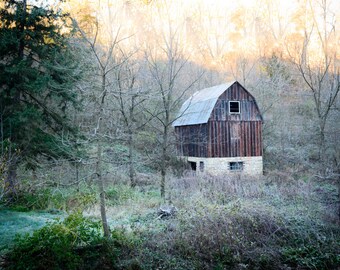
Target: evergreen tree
x,y
37,72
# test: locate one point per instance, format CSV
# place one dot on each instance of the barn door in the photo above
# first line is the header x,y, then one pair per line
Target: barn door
x,y
235,138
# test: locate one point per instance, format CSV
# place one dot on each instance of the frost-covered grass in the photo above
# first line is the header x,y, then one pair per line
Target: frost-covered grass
x,y
221,222
126,207
14,222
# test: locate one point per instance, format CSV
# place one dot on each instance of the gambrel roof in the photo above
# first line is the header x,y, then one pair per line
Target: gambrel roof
x,y
197,109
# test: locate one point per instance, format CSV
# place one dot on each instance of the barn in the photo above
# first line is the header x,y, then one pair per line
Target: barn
x,y
219,131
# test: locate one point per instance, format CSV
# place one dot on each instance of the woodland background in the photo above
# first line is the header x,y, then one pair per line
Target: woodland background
x,y
89,92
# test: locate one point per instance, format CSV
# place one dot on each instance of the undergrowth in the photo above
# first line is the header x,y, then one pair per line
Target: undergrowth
x,y
74,243
51,199
244,223
237,222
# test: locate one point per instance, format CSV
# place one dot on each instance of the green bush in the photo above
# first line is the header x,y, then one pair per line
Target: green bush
x,y
34,200
119,194
315,248
74,243
42,199
79,201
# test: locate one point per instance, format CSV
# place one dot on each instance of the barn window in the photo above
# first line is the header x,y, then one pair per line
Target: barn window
x,y
192,165
236,166
201,166
234,107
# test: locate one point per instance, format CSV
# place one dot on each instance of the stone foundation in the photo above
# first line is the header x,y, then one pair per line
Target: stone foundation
x,y
233,165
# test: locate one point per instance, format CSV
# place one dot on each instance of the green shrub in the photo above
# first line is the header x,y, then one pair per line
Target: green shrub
x,y
42,199
78,201
75,243
315,248
34,200
119,194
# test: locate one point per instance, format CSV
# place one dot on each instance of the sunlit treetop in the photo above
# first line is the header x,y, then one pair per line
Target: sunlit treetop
x,y
212,31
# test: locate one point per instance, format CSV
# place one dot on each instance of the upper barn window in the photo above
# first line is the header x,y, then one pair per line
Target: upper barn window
x,y
234,107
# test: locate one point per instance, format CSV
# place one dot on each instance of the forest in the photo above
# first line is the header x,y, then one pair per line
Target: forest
x,y
90,176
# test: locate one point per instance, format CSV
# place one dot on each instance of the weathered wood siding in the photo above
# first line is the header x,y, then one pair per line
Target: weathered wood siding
x,y
234,139
248,107
225,134
221,139
192,140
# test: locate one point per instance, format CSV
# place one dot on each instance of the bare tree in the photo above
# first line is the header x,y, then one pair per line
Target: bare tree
x,y
320,72
130,96
105,62
317,62
166,64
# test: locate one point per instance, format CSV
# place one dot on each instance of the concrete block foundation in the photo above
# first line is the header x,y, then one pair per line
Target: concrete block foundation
x,y
230,165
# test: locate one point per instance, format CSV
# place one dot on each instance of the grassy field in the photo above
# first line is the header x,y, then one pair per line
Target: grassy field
x,y
275,222
14,222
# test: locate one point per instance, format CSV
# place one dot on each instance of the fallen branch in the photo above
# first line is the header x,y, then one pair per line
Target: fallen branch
x,y
166,211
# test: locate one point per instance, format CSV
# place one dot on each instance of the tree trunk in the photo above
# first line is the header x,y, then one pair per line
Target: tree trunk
x,y
99,172
338,183
132,172
164,161
11,180
101,190
163,174
21,47
77,175
322,149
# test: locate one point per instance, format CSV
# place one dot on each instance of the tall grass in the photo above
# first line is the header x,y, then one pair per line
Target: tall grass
x,y
243,222
230,222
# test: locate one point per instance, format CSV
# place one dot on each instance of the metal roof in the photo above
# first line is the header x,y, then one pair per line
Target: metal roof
x,y
197,109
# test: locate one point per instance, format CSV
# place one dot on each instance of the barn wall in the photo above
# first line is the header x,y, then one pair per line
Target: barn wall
x,y
192,140
248,107
225,135
220,139
220,166
234,139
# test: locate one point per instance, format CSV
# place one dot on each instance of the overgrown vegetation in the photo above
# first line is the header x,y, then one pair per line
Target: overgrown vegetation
x,y
221,223
51,199
86,113
236,223
74,243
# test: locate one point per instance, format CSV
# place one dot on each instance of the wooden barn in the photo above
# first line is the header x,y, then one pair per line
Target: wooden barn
x,y
219,130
